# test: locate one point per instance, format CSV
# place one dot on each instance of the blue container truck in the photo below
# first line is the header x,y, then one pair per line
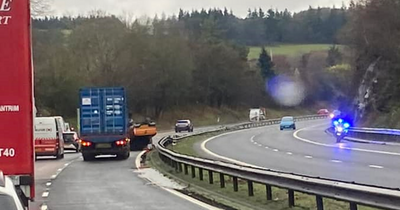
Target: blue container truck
x,y
104,123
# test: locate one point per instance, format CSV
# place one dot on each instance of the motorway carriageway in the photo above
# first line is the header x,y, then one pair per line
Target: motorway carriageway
x,y
105,184
308,151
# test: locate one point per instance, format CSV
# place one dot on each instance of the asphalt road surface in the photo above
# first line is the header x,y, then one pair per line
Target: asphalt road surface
x,y
310,151
104,184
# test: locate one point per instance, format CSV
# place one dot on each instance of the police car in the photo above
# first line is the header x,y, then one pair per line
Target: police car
x,y
8,196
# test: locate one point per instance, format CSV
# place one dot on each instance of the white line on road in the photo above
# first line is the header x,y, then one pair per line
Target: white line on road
x,y
54,176
266,147
176,193
45,194
252,138
260,145
309,157
44,207
336,161
276,150
48,184
289,153
60,169
339,146
375,166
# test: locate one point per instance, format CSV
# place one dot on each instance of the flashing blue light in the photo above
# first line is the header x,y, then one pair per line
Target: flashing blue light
x,y
335,123
346,125
340,120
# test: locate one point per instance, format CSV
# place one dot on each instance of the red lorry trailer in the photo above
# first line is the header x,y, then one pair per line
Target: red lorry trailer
x,y
16,97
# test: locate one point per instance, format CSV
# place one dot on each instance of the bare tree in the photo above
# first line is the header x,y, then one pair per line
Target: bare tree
x,y
40,8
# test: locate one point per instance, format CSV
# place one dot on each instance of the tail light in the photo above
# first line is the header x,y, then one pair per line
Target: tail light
x,y
121,143
86,143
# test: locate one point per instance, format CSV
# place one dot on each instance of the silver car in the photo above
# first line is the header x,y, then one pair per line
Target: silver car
x,y
183,125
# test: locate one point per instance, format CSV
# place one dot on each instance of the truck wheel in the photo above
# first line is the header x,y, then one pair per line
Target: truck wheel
x,y
124,156
88,157
59,156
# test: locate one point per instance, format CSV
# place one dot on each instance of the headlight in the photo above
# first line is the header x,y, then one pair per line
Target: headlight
x,y
340,129
332,116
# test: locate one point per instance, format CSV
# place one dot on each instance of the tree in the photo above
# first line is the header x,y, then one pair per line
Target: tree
x,y
334,56
266,65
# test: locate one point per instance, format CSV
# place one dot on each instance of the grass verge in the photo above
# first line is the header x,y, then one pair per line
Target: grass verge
x,y
214,194
289,50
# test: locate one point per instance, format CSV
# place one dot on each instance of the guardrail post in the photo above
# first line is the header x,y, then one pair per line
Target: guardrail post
x,y
269,192
320,202
180,167
291,198
211,177
250,188
222,180
235,184
193,172
353,206
201,174
186,169
176,166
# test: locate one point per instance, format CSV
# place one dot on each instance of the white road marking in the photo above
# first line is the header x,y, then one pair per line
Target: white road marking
x,y
266,147
45,194
176,193
276,150
67,164
54,176
60,169
252,138
138,158
295,135
203,147
255,143
188,198
308,157
48,184
375,166
336,161
289,153
44,207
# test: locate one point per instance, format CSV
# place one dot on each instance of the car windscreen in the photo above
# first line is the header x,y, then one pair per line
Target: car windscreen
x,y
287,119
7,202
69,137
182,121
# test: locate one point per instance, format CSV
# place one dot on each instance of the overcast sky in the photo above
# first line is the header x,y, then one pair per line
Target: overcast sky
x,y
169,7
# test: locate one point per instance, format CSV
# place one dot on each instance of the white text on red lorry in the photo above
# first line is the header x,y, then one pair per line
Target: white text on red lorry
x,y
7,152
5,7
9,108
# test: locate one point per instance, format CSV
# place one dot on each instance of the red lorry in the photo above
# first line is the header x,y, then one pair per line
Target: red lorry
x,y
16,97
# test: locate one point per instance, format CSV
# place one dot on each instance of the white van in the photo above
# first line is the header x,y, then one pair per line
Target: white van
x,y
49,139
257,115
63,124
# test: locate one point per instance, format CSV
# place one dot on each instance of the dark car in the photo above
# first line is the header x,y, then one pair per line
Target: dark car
x,y
71,141
183,125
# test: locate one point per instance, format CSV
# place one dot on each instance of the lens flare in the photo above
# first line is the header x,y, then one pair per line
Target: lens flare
x,y
286,91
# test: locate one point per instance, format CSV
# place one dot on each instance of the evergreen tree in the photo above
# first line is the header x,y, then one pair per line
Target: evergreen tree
x,y
266,65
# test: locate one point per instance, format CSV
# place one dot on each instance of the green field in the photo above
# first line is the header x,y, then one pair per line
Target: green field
x,y
288,49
